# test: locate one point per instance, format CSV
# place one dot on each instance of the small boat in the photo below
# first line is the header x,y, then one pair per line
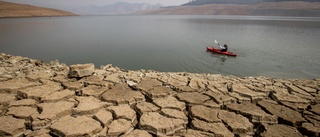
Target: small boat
x,y
220,52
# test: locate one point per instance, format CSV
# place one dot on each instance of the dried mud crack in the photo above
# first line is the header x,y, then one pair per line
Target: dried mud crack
x,y
40,99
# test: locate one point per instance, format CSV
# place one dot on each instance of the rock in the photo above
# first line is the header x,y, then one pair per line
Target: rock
x,y
282,95
253,113
119,127
72,85
14,85
294,89
148,83
38,92
146,107
315,109
278,130
175,79
6,98
192,98
139,133
239,98
81,70
113,78
92,80
23,102
22,112
198,83
196,133
220,97
159,125
50,112
93,90
122,94
159,92
238,124
244,91
104,117
310,130
39,133
290,116
218,128
170,102
40,75
59,96
123,112
204,113
173,113
79,126
88,105
11,126
212,104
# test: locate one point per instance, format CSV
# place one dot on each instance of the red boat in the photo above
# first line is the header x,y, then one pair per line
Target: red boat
x,y
220,52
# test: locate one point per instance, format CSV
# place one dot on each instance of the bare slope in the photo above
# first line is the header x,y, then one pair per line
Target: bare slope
x,y
290,8
8,9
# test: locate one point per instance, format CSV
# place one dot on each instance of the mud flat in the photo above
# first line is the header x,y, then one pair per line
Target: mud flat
x,y
53,99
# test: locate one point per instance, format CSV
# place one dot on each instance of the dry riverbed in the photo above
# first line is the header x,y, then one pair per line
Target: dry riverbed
x,y
53,99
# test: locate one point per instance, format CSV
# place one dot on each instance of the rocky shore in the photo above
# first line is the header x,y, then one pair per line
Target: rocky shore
x,y
53,99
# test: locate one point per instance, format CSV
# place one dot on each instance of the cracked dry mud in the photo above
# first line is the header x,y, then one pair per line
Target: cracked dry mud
x,y
40,99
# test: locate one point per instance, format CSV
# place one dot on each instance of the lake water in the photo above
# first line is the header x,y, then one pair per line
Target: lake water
x,y
281,47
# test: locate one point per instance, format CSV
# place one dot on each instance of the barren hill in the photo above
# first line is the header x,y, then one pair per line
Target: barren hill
x,y
8,9
289,8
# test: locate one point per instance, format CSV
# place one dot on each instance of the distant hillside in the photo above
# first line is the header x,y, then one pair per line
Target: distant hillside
x,y
203,2
116,8
288,8
8,9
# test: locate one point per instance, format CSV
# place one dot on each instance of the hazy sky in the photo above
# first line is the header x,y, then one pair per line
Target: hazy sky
x,y
97,2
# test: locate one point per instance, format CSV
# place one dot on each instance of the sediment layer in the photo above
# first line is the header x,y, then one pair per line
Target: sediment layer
x,y
53,99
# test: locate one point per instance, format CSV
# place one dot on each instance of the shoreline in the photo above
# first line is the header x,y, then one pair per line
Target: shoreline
x,y
53,99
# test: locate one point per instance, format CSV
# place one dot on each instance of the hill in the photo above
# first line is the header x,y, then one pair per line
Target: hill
x,y
287,8
8,9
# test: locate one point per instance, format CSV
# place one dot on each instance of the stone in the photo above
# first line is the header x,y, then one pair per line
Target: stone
x,y
198,83
138,133
315,109
238,124
6,98
204,113
220,97
92,80
196,133
50,112
88,105
11,126
39,133
93,90
290,116
14,85
176,80
122,94
282,95
81,70
217,128
159,92
170,102
192,98
278,130
173,113
295,90
79,126
72,85
38,92
159,125
244,91
147,83
123,112
59,96
119,127
310,130
253,113
23,102
23,112
104,117
146,107
239,98
40,75
212,104
113,78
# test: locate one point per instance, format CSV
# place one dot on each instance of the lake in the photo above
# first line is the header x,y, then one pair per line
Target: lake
x,y
280,47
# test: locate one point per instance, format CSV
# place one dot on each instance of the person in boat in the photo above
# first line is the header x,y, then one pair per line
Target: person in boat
x,y
223,48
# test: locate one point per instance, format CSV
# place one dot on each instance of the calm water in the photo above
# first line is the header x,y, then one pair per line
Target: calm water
x,y
281,47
